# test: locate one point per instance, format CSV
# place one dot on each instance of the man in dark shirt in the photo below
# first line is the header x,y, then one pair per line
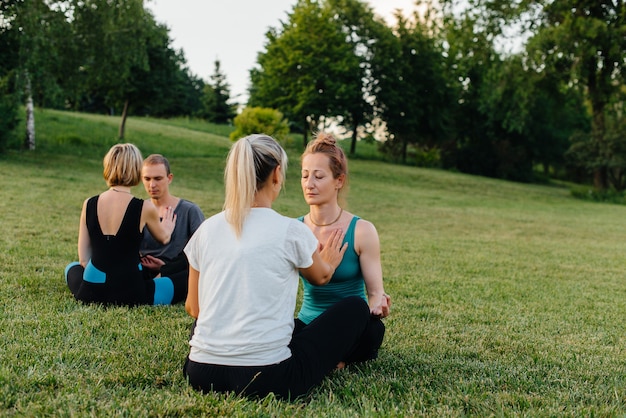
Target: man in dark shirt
x,y
167,260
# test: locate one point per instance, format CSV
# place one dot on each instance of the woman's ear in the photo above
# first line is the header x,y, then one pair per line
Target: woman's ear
x,y
340,180
277,175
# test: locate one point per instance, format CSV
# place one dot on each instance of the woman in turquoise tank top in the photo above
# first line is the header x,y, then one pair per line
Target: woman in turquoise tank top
x,y
324,179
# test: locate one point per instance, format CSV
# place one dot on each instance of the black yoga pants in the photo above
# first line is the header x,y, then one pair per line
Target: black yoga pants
x,y
315,351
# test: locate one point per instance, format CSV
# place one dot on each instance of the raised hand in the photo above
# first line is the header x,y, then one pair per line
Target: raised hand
x,y
168,221
333,250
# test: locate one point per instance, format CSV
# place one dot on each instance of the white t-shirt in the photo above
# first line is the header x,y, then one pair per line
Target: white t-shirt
x,y
248,287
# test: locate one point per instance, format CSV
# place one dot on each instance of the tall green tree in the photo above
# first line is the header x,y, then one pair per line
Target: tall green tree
x,y
593,35
539,104
529,115
112,35
306,67
491,114
164,88
34,30
9,106
93,55
589,36
9,100
412,93
216,98
470,57
355,99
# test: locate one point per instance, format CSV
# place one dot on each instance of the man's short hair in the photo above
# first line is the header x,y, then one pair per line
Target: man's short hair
x,y
156,159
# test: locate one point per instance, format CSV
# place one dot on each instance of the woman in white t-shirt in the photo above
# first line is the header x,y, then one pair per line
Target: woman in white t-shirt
x,y
243,280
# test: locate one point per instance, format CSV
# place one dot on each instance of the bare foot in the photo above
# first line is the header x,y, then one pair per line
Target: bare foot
x,y
341,365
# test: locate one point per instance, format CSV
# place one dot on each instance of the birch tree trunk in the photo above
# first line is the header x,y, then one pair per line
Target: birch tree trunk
x,y
29,141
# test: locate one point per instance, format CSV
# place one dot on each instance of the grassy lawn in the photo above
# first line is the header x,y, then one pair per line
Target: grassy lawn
x,y
508,299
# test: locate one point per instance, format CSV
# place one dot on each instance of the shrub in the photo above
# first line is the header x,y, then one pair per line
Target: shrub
x,y
427,157
260,120
596,195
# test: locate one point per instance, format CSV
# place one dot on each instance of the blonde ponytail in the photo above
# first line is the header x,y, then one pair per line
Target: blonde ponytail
x,y
249,163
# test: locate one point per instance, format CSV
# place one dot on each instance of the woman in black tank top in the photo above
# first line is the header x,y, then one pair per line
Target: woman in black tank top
x,y
111,225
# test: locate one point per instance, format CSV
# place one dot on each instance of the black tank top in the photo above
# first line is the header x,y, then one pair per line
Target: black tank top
x,y
117,256
120,251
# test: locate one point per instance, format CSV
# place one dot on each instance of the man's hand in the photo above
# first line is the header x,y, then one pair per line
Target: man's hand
x,y
152,263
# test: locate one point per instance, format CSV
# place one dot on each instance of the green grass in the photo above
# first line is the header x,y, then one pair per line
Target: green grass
x,y
508,299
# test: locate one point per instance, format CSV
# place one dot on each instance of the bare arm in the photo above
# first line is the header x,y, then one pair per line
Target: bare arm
x,y
160,229
191,304
326,259
84,242
369,257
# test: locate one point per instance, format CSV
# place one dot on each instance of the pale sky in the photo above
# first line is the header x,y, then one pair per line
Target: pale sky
x,y
233,32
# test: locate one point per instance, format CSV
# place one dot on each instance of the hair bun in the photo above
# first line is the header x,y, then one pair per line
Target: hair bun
x,y
326,139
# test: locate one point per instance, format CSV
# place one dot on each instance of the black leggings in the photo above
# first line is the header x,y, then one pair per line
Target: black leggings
x,y
315,351
368,345
92,286
177,270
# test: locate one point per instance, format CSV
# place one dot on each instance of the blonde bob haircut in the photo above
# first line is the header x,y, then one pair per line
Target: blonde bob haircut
x,y
249,164
122,165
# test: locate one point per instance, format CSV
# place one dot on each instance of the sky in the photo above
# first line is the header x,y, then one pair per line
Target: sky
x,y
233,32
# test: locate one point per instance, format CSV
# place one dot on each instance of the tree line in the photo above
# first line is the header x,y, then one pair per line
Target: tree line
x,y
99,56
449,94
437,87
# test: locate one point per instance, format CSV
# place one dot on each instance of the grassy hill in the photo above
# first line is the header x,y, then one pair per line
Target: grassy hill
x,y
508,299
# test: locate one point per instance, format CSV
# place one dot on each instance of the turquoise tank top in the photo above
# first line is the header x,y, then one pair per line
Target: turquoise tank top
x,y
346,281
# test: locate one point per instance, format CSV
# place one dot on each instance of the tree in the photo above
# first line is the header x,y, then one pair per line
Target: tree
x,y
509,115
34,29
412,95
165,87
589,37
9,105
9,100
584,156
93,55
355,100
112,35
470,57
592,35
305,68
544,109
216,98
530,114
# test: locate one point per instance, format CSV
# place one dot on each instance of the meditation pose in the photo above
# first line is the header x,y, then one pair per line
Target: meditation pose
x,y
324,179
243,281
167,260
110,232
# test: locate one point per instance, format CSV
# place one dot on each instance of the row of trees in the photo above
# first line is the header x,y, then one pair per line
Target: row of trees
x,y
442,84
104,56
438,84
